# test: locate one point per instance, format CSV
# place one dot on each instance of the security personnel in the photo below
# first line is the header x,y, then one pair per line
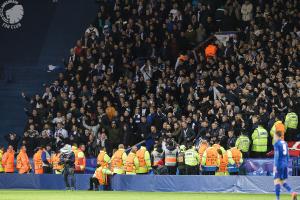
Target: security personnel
x,y
100,177
235,157
260,142
80,161
38,163
278,126
1,155
203,146
191,161
132,162
103,159
144,161
157,156
23,164
55,162
210,159
170,155
243,144
118,160
8,160
180,160
223,162
291,125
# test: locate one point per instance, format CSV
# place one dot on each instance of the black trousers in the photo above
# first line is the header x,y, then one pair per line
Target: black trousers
x,y
69,172
172,170
208,173
94,183
47,170
291,134
258,154
245,154
182,170
192,170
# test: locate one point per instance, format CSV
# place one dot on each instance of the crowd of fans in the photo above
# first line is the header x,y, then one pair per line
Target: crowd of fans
x,y
124,82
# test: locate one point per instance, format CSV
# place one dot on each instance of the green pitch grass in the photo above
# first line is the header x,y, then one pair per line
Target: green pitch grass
x,y
91,195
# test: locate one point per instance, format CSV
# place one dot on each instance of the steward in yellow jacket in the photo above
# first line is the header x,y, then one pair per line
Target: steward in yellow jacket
x,y
1,155
132,162
103,159
118,160
23,164
100,177
144,161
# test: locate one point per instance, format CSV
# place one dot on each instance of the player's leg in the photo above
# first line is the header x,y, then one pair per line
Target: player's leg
x,y
289,189
277,184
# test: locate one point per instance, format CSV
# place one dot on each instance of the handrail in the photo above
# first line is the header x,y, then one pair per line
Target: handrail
x,y
137,144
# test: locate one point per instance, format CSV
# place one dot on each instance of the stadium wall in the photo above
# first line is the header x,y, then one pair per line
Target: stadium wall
x,y
151,183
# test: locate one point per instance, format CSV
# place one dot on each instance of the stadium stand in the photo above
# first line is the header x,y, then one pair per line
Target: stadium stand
x,y
170,72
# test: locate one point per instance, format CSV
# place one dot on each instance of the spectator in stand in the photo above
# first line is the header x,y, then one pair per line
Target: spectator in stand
x,y
12,140
124,70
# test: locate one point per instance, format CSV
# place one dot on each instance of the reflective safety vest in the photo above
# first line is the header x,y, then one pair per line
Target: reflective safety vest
x,y
55,159
141,156
117,161
235,156
101,174
80,161
210,157
171,157
8,160
191,157
243,143
223,167
101,159
201,151
23,164
260,140
291,120
38,163
1,166
157,157
129,165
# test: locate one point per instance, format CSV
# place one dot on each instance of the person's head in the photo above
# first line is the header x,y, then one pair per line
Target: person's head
x,y
153,129
23,148
134,149
184,124
121,146
1,147
102,149
277,136
230,133
82,147
10,148
59,125
113,124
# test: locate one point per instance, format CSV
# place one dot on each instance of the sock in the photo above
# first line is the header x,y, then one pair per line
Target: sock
x,y
287,187
277,191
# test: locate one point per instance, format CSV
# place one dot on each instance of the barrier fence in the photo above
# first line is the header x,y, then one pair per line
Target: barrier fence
x,y
151,183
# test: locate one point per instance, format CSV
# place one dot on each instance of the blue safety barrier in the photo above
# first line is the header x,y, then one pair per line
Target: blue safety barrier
x,y
249,184
245,184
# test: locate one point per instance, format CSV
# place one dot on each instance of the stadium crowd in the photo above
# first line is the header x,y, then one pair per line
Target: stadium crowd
x,y
136,75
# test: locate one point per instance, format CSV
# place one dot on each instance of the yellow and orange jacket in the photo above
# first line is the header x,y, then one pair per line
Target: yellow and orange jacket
x,y
80,161
38,163
23,164
118,161
8,161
